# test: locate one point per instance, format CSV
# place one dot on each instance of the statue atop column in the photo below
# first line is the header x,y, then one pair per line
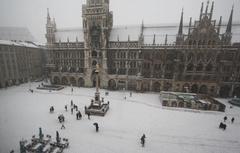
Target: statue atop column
x,y
97,106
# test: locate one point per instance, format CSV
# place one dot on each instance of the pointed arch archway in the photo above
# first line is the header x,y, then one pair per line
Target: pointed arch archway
x,y
224,91
65,81
56,80
186,87
203,89
236,91
194,88
81,82
145,86
167,86
73,81
156,86
112,84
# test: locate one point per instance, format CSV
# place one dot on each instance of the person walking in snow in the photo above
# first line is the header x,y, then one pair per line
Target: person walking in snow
x,y
65,107
143,140
232,119
71,110
88,114
225,118
96,126
71,102
63,127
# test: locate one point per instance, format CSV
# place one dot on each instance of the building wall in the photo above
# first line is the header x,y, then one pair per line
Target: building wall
x,y
19,64
201,61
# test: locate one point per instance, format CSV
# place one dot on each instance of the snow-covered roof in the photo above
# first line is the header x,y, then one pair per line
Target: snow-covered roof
x,y
72,35
18,43
160,33
16,33
7,42
121,33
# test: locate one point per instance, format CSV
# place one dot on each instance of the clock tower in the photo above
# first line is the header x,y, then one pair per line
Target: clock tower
x,y
97,25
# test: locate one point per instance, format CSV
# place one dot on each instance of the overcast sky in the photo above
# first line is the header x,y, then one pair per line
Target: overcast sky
x,y
68,13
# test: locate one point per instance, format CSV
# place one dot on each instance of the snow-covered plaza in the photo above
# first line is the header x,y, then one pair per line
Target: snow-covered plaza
x,y
167,130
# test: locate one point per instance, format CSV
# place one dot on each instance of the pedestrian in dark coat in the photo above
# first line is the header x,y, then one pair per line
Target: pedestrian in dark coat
x,y
65,107
71,110
96,126
88,114
63,127
143,140
225,118
71,102
232,119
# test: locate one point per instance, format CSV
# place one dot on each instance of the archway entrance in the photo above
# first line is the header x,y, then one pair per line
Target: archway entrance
x,y
224,91
56,80
73,81
112,84
186,87
145,86
167,86
236,92
194,88
6,84
64,81
81,82
203,89
156,86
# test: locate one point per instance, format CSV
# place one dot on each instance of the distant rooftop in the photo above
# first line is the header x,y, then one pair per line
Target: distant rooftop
x,y
16,34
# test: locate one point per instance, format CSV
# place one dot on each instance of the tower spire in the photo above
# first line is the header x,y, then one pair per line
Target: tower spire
x,y
154,39
201,12
206,11
219,25
190,25
180,30
142,27
211,13
229,25
48,16
166,39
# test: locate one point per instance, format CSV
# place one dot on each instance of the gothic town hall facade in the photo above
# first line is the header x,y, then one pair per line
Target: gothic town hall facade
x,y
198,58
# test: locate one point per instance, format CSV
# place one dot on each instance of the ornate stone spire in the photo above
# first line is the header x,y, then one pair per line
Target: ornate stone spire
x,y
48,17
154,39
229,25
219,25
211,13
201,12
180,30
190,25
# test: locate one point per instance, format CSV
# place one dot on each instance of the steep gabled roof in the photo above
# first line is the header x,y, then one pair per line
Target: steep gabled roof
x,y
16,34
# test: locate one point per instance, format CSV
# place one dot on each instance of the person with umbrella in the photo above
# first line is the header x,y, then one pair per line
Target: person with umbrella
x,y
96,126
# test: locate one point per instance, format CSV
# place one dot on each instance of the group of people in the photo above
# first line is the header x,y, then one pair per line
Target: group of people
x,y
223,125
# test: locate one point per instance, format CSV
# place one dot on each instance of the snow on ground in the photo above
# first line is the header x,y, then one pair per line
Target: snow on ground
x,y
167,130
